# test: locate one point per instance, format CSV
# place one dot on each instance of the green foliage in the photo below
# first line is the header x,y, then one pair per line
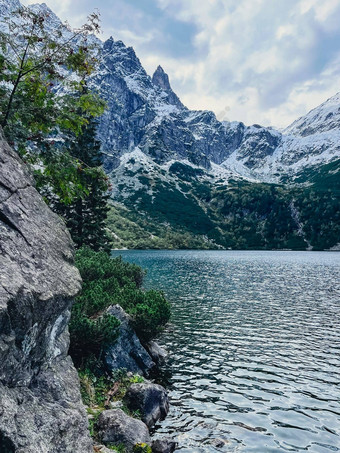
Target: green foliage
x,y
110,281
119,448
43,94
94,415
97,388
142,448
89,335
240,215
33,59
185,171
171,206
134,231
96,267
150,310
85,213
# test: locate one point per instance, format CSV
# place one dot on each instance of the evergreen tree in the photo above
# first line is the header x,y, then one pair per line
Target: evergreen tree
x,y
86,215
42,96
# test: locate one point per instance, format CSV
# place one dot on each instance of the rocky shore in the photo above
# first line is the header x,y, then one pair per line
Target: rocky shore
x,y
40,401
147,399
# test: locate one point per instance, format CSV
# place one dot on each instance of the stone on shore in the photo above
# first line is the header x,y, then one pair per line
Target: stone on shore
x,y
150,399
164,445
115,427
127,352
157,353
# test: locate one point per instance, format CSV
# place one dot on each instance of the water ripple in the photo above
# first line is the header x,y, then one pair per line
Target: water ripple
x,y
255,342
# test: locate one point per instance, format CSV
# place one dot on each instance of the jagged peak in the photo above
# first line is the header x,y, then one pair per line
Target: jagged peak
x,y
161,79
44,9
160,69
108,44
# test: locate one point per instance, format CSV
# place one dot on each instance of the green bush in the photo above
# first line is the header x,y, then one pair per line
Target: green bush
x,y
108,281
150,311
89,336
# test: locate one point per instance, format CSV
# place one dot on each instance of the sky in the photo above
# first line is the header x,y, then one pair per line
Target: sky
x,y
258,61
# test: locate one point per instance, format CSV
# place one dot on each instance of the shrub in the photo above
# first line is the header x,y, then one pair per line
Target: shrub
x,y
150,311
89,336
110,281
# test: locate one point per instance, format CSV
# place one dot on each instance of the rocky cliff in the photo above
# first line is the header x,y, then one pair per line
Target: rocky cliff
x,y
40,404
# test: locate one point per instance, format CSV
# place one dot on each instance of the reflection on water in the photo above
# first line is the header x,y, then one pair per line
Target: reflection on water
x,y
255,349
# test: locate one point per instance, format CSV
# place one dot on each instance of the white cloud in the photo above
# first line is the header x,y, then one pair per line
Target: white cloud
x,y
274,56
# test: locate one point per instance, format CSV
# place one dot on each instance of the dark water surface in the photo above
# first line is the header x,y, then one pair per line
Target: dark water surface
x,y
255,348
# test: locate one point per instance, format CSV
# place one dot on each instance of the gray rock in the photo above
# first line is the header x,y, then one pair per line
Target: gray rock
x,y
161,79
128,351
40,403
101,449
157,353
115,427
164,445
150,399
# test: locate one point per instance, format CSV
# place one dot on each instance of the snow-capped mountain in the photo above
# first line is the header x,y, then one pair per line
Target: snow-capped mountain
x,y
181,178
144,112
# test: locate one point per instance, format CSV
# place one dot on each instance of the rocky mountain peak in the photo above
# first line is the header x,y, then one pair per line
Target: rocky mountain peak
x,y
161,79
108,44
121,59
6,6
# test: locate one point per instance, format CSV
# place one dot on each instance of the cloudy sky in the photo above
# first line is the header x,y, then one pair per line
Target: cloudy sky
x,y
256,61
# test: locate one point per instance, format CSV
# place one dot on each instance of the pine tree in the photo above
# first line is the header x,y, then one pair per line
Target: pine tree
x,y
86,216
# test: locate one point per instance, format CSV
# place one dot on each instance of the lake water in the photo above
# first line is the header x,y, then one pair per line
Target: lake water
x,y
255,349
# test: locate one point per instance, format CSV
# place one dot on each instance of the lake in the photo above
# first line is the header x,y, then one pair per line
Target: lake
x,y
254,345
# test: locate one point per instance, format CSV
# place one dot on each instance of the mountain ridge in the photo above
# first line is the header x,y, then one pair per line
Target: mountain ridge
x,y
163,128
145,112
182,178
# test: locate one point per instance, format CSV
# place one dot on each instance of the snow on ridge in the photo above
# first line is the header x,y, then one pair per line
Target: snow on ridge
x,y
323,117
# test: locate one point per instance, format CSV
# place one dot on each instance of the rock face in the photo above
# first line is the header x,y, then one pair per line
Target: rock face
x,y
161,79
115,427
150,399
127,352
40,404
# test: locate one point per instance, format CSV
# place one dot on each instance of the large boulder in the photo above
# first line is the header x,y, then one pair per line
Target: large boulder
x,y
40,404
127,352
115,427
150,399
